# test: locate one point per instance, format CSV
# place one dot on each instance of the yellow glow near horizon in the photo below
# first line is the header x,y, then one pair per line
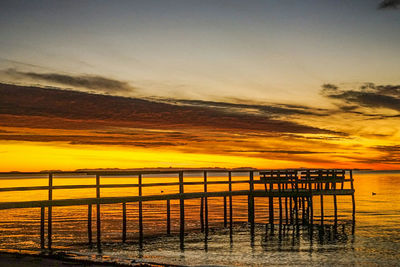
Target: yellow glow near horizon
x,y
30,156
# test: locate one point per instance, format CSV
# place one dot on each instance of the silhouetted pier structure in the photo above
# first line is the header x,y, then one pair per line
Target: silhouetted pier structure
x,y
294,189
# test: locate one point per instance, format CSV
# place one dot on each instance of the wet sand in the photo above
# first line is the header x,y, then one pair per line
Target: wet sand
x,y
25,260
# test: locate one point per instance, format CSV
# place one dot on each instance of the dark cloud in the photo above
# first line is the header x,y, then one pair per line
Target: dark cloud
x,y
267,110
390,155
386,4
89,82
368,95
84,110
293,152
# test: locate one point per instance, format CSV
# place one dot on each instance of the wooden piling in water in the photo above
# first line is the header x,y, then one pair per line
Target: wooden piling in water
x,y
230,203
168,217
42,241
182,212
202,214
90,225
280,207
250,199
205,203
98,222
225,212
353,201
322,209
49,214
271,209
140,193
124,222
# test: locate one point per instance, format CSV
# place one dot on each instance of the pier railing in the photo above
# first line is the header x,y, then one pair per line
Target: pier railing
x,y
294,188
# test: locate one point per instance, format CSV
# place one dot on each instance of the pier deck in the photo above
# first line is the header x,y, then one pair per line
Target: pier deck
x,y
294,189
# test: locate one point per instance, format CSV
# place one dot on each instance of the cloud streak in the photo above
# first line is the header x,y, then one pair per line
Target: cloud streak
x,y
89,82
102,110
368,95
389,4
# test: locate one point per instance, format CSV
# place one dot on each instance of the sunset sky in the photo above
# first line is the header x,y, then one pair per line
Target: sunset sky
x,y
266,84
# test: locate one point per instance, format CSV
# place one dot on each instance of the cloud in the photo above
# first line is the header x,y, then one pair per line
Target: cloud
x,y
386,4
89,82
83,110
277,151
261,109
368,95
391,154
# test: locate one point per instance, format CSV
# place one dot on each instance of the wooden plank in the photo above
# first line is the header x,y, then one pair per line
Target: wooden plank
x,y
116,200
128,172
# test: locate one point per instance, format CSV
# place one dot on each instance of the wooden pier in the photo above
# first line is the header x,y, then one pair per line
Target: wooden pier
x,y
294,189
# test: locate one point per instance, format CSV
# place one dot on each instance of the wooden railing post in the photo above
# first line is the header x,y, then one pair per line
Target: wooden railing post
x,y
98,222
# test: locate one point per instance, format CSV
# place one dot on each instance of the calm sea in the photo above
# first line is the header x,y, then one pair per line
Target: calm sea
x,y
374,240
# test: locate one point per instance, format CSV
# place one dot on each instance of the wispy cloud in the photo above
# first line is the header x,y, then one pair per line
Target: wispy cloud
x,y
89,82
116,111
386,4
368,95
272,109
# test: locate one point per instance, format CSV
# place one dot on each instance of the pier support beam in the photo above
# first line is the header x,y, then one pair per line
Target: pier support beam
x,y
322,209
168,217
90,226
123,222
230,205
205,204
202,214
140,212
250,200
353,201
50,214
42,214
182,212
98,222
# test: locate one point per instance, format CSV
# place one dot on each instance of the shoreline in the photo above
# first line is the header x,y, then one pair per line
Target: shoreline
x,y
61,259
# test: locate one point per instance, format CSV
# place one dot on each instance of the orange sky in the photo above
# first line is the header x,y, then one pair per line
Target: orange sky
x,y
44,129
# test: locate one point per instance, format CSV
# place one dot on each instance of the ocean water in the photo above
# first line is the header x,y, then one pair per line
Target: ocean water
x,y
374,239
